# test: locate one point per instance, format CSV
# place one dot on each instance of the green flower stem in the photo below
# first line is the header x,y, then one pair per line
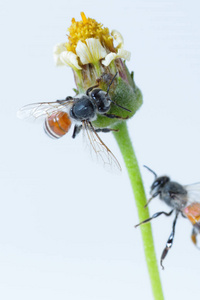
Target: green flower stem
x,y
128,154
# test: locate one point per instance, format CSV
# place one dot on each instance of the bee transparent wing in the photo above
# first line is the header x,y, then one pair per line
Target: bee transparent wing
x,y
179,198
101,151
39,111
193,192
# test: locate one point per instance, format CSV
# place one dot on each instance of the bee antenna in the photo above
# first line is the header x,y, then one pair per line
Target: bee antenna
x,y
151,171
120,106
111,83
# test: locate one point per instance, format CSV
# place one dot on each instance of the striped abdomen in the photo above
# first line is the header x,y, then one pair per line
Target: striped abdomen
x,y
57,125
192,212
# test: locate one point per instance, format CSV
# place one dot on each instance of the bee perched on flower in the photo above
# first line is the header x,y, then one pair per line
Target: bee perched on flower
x,y
106,93
94,59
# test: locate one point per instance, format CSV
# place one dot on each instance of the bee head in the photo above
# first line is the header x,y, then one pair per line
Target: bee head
x,y
158,184
102,100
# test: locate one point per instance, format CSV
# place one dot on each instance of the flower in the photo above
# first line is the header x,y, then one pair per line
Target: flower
x,y
95,54
89,43
91,52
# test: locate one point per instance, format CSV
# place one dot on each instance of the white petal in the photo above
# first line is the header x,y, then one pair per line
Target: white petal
x,y
70,59
118,37
124,54
121,53
109,58
58,49
90,52
83,53
96,49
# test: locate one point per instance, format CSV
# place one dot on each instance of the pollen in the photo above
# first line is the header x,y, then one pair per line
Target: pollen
x,y
88,28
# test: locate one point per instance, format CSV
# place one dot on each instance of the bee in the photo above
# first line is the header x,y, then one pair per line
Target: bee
x,y
80,110
183,199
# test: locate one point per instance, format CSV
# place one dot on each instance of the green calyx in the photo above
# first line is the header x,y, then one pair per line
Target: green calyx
x,y
127,95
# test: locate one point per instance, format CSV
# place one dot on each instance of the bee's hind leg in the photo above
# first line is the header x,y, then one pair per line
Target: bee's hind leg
x,y
169,241
77,129
195,232
112,116
105,129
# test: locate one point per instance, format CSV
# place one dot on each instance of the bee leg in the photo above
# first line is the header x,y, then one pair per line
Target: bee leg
x,y
183,215
169,241
98,82
77,129
195,232
112,116
105,129
155,216
149,201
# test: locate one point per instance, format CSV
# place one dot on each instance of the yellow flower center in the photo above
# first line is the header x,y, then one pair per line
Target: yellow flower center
x,y
88,28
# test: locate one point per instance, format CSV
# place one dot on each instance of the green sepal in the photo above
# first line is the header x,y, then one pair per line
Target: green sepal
x,y
124,94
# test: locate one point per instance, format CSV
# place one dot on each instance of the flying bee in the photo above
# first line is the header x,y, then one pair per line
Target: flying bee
x,y
81,110
183,199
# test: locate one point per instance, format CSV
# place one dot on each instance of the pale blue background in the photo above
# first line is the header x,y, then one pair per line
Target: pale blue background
x,y
66,226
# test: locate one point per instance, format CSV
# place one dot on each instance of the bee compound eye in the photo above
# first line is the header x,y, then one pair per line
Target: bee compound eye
x,y
155,183
96,93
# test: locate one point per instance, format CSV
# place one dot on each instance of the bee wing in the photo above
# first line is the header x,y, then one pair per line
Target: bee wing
x,y
193,192
101,151
41,110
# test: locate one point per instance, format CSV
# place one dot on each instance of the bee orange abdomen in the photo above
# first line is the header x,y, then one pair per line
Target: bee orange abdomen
x,y
57,125
192,212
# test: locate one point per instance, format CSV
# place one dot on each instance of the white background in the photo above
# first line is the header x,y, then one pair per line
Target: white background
x,y
67,226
